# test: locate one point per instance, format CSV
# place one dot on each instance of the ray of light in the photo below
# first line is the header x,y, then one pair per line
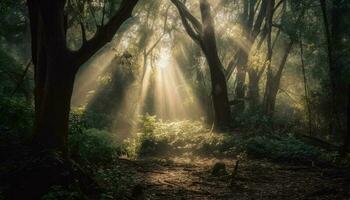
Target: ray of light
x,y
166,86
173,97
86,85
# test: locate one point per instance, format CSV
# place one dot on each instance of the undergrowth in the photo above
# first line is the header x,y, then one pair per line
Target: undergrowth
x,y
158,138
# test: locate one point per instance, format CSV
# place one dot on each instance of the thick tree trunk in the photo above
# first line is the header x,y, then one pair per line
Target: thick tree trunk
x,y
55,67
336,30
51,130
221,105
54,75
333,30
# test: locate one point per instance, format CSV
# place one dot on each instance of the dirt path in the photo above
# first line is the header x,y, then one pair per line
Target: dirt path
x,y
191,179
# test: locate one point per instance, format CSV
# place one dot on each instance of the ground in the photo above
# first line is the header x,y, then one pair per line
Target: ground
x,y
191,178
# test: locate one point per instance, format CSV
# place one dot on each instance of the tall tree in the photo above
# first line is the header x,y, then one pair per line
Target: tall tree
x,y
336,17
273,82
56,66
203,33
252,18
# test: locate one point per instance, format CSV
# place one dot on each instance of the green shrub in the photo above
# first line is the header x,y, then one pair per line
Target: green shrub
x,y
221,145
116,181
77,121
188,137
16,115
258,122
93,146
287,149
59,193
158,138
164,138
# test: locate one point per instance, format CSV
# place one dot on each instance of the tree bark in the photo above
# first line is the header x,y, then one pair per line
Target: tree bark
x,y
241,79
253,95
346,144
307,100
252,22
203,33
219,87
55,67
273,83
336,29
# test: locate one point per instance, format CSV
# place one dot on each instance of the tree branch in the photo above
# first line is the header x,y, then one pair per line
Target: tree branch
x,y
192,26
83,32
105,34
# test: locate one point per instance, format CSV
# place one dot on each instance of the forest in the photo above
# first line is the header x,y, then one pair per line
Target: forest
x,y
174,99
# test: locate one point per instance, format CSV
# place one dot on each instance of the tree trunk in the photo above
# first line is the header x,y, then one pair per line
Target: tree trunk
x,y
221,105
203,34
56,66
346,145
273,83
307,100
54,75
253,89
241,78
336,30
251,23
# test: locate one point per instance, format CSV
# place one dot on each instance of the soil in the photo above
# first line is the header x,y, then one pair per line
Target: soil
x,y
191,178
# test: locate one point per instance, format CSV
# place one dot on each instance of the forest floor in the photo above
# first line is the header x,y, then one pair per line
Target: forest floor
x,y
191,178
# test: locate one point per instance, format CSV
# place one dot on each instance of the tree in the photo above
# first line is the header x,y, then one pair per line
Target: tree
x,y
252,19
273,82
337,36
55,66
203,33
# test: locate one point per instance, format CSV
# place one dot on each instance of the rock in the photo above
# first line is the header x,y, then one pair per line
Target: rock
x,y
219,169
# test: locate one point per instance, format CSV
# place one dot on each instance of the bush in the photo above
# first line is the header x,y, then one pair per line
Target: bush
x,y
116,181
221,145
59,192
287,149
16,115
187,137
258,122
164,138
77,121
93,146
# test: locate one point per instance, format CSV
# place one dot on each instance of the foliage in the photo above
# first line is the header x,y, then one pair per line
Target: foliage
x,y
59,192
185,137
162,138
287,149
116,180
255,120
16,115
10,74
77,121
93,146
